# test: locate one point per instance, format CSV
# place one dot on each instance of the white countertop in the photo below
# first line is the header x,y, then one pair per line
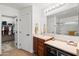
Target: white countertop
x,y
45,37
63,46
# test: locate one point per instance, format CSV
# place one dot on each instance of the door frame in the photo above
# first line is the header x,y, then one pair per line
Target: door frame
x,y
1,35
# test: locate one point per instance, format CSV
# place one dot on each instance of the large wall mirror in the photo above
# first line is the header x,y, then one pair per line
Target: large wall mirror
x,y
67,22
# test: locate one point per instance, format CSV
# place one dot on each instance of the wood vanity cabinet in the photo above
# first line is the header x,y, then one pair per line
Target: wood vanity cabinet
x,y
35,45
38,46
53,51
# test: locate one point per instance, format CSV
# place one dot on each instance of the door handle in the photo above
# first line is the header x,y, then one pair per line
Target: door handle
x,y
27,34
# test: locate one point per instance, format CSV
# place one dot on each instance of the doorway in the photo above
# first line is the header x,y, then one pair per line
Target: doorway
x,y
8,34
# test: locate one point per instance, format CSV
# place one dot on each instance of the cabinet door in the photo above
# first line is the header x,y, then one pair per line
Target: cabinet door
x,y
40,47
35,45
40,50
62,53
40,53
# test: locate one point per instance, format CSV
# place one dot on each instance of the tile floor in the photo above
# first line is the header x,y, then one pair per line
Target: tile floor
x,y
8,45
9,49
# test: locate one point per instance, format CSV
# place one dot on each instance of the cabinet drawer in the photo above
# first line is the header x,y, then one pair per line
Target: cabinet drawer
x,y
60,53
41,41
40,44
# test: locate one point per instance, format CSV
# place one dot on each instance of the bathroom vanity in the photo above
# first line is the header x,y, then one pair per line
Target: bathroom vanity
x,y
38,44
55,45
59,48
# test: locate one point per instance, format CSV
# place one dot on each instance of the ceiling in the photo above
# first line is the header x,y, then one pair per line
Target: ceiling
x,y
17,5
23,5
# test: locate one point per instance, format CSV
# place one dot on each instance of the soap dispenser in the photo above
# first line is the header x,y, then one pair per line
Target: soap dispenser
x,y
44,29
36,28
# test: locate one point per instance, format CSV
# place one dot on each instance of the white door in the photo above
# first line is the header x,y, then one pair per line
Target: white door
x,y
25,35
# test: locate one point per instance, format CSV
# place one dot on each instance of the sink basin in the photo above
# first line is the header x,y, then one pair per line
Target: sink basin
x,y
72,43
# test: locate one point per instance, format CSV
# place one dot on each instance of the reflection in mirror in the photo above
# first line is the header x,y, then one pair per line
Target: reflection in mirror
x,y
67,22
68,26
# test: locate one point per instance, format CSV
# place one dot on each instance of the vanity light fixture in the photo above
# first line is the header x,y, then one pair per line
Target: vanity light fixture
x,y
71,23
50,8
